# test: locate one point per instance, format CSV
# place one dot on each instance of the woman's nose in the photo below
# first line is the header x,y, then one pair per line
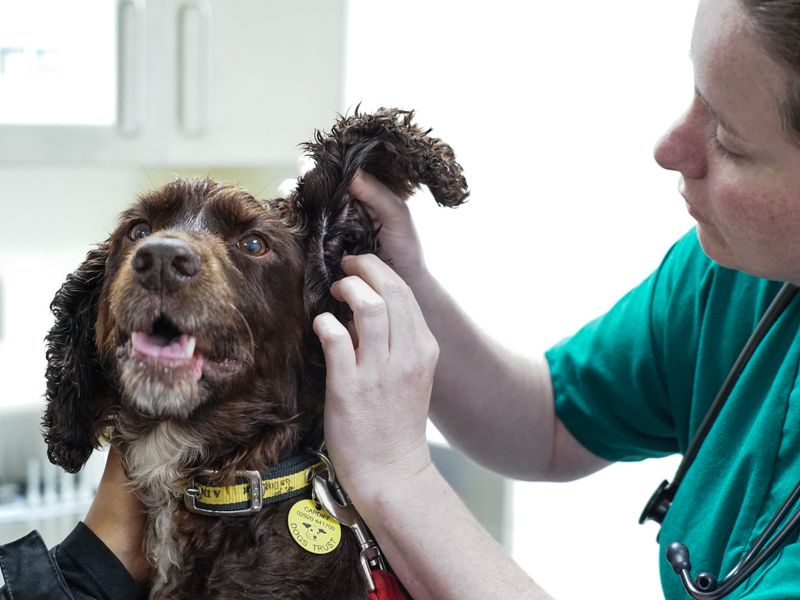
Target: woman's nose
x,y
684,147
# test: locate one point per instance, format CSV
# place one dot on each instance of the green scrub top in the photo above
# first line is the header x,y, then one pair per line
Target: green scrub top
x,y
637,382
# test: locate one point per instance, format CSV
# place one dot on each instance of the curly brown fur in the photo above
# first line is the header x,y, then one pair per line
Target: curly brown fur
x,y
79,396
190,340
387,144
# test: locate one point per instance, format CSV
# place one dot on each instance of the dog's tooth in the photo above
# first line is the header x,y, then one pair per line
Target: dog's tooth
x,y
133,340
190,344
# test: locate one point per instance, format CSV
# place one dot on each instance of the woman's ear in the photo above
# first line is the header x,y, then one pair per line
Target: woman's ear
x,y
79,399
386,144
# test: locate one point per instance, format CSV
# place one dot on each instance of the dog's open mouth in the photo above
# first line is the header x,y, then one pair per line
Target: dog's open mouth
x,y
163,366
167,350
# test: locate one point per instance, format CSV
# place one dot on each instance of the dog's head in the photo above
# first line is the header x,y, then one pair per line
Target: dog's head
x,y
203,285
203,293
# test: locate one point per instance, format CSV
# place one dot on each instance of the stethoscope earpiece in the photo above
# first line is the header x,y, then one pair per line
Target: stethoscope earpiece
x,y
705,586
678,557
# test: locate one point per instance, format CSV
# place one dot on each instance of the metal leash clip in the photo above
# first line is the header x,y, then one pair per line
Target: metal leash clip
x,y
327,492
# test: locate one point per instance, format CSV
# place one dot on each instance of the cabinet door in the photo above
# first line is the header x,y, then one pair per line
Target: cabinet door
x,y
252,78
60,80
183,82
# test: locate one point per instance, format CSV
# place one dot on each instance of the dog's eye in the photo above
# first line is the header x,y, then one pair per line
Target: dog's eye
x,y
252,245
139,230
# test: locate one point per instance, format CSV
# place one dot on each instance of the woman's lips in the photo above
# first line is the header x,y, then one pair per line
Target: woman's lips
x,y
691,206
693,211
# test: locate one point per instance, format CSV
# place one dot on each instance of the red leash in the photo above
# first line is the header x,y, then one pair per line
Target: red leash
x,y
387,587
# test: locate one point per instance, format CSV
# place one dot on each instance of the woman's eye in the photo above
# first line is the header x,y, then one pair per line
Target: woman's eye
x,y
139,231
718,147
252,245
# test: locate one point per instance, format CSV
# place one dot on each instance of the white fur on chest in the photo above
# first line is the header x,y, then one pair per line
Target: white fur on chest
x,y
156,465
157,461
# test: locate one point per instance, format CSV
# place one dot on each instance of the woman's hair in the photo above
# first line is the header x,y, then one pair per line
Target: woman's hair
x,y
777,23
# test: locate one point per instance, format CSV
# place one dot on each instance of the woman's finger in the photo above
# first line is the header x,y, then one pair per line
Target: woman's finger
x,y
337,346
405,318
381,203
369,317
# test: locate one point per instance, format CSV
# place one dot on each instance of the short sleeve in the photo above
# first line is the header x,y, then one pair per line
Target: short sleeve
x,y
624,382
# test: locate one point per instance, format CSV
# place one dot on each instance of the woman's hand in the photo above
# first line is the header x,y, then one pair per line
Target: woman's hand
x,y
378,380
116,517
400,245
379,384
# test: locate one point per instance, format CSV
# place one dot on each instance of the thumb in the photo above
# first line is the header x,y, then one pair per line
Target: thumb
x,y
382,204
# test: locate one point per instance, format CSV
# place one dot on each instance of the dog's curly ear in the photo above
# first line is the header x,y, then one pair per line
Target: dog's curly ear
x,y
78,398
386,144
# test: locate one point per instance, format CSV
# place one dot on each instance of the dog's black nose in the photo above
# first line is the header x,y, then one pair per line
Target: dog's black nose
x,y
164,264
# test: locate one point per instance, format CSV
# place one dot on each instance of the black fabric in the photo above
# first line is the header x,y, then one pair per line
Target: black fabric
x,y
80,568
30,571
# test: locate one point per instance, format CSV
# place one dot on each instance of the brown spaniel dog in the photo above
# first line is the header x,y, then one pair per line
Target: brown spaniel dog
x,y
185,339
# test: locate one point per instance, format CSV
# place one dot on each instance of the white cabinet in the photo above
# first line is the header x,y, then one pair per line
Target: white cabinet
x,y
196,82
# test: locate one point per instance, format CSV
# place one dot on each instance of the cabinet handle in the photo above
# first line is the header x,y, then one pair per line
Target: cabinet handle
x,y
131,63
194,68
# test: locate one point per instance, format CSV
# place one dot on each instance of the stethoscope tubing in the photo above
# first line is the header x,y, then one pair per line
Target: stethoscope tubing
x,y
768,541
753,559
774,310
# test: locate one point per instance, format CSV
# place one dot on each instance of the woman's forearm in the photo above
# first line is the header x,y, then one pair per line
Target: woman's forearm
x,y
116,517
436,547
492,404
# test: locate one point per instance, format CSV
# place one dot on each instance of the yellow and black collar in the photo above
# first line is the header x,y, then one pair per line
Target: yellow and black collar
x,y
252,490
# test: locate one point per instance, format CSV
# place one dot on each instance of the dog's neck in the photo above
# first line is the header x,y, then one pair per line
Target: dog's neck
x,y
164,455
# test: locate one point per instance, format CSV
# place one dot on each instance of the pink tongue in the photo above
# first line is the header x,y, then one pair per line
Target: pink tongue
x,y
157,347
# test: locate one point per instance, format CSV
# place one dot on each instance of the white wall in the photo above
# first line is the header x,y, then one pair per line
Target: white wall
x,y
51,215
553,109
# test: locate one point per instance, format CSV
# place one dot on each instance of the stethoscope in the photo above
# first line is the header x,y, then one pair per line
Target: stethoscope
x,y
706,584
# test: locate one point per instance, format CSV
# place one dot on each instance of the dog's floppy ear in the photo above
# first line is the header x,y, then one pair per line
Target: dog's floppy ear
x,y
78,400
386,144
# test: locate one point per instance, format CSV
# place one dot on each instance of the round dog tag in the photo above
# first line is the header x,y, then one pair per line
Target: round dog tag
x,y
313,528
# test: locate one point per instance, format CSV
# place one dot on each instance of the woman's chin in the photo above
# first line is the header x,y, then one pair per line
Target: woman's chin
x,y
714,246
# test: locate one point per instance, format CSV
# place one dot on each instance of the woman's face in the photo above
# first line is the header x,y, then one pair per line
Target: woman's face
x,y
740,171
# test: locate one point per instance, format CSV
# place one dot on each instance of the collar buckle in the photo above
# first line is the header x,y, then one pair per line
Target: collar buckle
x,y
194,493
